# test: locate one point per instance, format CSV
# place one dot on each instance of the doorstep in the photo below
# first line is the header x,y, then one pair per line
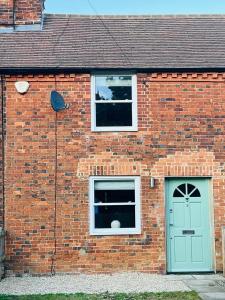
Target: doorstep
x,y
208,287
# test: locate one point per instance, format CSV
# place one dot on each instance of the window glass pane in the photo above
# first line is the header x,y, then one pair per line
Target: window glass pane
x,y
182,188
114,114
124,215
190,188
196,193
113,196
114,185
177,193
113,87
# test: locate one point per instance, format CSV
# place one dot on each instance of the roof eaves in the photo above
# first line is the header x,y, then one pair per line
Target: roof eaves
x,y
44,70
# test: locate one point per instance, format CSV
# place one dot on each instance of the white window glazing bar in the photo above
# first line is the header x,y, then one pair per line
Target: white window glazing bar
x,y
113,101
137,205
133,101
114,185
115,204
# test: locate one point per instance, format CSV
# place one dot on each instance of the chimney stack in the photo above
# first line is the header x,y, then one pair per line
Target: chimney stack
x,y
20,15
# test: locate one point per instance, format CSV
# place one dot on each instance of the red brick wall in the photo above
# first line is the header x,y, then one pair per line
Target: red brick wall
x,y
6,12
28,11
1,155
181,133
24,12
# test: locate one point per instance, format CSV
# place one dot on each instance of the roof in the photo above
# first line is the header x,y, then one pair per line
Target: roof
x,y
124,42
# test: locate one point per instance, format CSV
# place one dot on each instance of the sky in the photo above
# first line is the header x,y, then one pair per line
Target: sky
x,y
135,6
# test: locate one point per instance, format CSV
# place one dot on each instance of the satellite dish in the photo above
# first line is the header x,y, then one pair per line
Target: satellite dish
x,y
58,102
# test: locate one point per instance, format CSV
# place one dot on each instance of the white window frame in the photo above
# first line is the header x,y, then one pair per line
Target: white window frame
x,y
134,126
137,203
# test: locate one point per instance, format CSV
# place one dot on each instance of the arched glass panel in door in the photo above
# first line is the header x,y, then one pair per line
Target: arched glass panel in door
x,y
186,190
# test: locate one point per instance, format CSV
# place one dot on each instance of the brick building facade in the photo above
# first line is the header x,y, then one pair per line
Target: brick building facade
x,y
49,227
50,158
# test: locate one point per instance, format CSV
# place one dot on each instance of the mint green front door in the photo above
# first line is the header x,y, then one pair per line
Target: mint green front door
x,y
189,240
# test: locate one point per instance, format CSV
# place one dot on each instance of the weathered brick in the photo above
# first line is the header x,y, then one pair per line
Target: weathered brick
x,y
1,155
179,137
25,12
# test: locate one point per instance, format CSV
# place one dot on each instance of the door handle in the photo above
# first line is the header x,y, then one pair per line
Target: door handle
x,y
171,224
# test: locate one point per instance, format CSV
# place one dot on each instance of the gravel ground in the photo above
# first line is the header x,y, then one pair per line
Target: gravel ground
x,y
122,282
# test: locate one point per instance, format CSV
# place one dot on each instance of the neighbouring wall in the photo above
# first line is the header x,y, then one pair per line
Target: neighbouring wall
x,y
20,12
1,153
180,133
6,12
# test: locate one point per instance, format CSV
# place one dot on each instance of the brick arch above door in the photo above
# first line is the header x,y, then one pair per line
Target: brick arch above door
x,y
190,163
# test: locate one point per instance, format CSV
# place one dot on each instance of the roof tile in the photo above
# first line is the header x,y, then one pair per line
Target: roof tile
x,y
98,42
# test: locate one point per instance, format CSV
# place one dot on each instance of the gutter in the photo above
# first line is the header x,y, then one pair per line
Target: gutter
x,y
69,70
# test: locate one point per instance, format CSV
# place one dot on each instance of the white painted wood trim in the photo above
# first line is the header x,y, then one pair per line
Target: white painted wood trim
x,y
134,126
115,231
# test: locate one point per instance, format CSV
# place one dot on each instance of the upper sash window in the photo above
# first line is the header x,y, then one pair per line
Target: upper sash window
x,y
114,102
